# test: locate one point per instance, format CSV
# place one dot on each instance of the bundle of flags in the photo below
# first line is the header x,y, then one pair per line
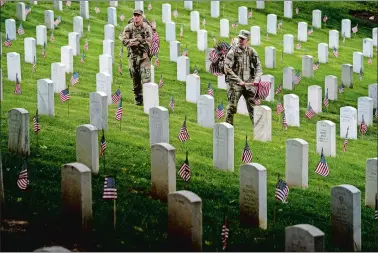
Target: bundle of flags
x,y
282,191
220,111
184,170
155,43
247,153
110,190
183,135
23,181
310,112
119,112
322,167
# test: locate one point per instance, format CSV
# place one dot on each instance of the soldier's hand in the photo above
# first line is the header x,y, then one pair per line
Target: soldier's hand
x,y
241,83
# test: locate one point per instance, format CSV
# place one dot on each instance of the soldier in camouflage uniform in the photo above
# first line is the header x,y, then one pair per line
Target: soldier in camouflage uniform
x,y
137,38
243,72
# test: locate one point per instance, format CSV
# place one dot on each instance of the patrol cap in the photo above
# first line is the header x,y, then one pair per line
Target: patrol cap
x,y
244,34
138,11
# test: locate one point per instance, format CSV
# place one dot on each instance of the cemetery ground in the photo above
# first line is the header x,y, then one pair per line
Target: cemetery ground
x,y
142,221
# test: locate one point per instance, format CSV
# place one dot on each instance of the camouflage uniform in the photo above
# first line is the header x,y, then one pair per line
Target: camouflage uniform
x,y
241,65
139,61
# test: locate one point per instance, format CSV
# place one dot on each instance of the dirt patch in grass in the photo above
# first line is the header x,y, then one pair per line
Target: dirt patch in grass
x,y
364,15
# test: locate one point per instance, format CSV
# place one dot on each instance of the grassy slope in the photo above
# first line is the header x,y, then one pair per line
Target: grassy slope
x,y
142,222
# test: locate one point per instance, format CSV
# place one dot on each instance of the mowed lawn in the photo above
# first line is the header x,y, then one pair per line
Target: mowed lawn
x,y
142,221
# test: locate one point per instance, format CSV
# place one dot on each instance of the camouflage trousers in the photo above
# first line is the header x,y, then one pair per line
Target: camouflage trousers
x,y
234,92
140,72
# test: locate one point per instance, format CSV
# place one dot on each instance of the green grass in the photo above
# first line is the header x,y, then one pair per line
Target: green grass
x,y
141,221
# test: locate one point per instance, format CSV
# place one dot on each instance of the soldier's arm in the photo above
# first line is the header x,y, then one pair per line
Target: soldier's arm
x,y
126,36
258,68
228,63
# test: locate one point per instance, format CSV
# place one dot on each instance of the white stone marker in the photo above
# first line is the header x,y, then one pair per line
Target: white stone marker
x,y
76,185
262,121
18,131
288,44
314,97
296,163
291,106
174,50
139,5
223,146
253,196
333,39
193,88
30,50
58,5
45,94
158,125
163,170
326,138
375,36
222,82
288,78
331,85
66,58
317,19
183,68
108,48
49,19
224,25
269,78
185,218
348,122
365,107
347,75
214,5
272,23
371,181
367,46
84,9
104,84
113,3
74,42
10,29
166,13
87,150
323,52
109,32
255,35
242,107
358,62
151,96
346,28
260,4
304,237
20,11
41,31
307,64
243,15
14,66
202,40
98,110
373,94
106,66
302,31
270,57
346,217
78,25
112,16
205,111
170,31
188,5
194,21
58,76
288,9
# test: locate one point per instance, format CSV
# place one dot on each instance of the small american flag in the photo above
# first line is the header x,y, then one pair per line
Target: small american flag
x,y
220,111
224,234
296,10
175,13
34,66
335,52
363,126
376,208
20,30
68,3
149,7
97,10
376,113
280,23
310,31
116,96
322,167
119,112
183,135
325,18
36,127
27,9
120,68
360,74
370,60
52,38
17,89
110,190
121,52
282,191
58,21
103,145
315,66
86,45
346,141
122,17
7,42
298,77
247,153
279,89
250,14
185,52
44,50
344,37
184,170
203,21
310,112
326,101
157,62
74,78
195,70
120,35
341,88
210,90
284,122
172,103
279,108
64,95
181,31
161,81
23,181
298,46
82,60
234,25
355,29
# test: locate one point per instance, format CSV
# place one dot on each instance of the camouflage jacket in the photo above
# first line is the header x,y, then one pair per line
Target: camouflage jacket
x,y
142,35
233,65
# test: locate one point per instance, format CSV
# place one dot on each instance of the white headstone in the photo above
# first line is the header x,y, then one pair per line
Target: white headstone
x,y
30,49
223,146
348,119
113,3
205,111
224,28
18,131
260,4
163,170
214,9
49,19
112,16
41,31
358,62
109,32
20,11
58,5
288,78
66,58
243,15
10,29
270,57
317,19
367,47
346,28
326,138
188,5
262,123
108,48
375,36
170,31
333,39
288,9
365,107
269,78
323,52
193,88
371,181
183,68
74,42
272,23
307,70
242,106
87,150
78,25
158,125
347,75
104,84
346,217
302,31
194,21
288,44
331,85
291,106
314,97
58,76
253,196
255,35
296,163
139,5
222,82
84,9
14,66
166,13
174,50
98,110
150,96
201,40
45,94
106,65
373,94
304,238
